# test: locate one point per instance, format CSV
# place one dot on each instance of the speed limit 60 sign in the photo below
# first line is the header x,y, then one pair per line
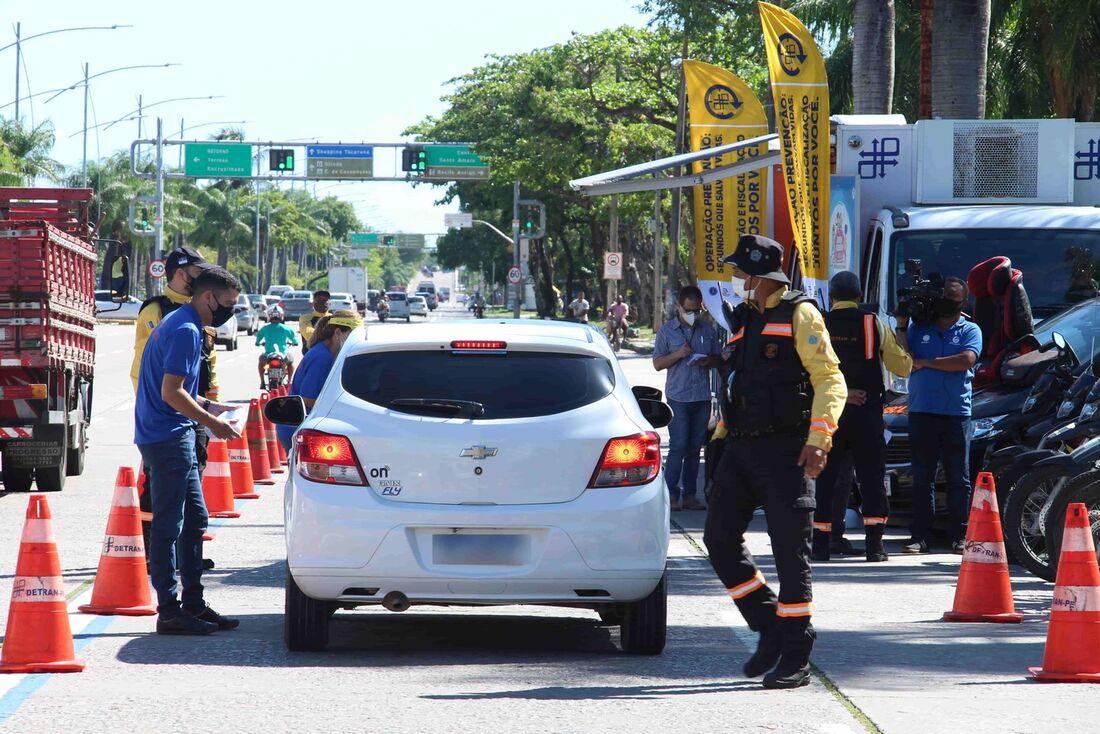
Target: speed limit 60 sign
x,y
613,266
156,269
514,275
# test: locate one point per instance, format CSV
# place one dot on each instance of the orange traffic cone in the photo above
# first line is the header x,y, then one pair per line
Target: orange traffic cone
x,y
217,481
257,445
1073,638
281,393
270,437
240,469
122,583
984,591
38,638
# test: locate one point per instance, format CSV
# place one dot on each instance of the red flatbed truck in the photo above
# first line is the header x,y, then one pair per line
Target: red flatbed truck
x,y
47,335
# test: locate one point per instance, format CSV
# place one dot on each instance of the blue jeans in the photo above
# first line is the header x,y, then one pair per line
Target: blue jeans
x,y
933,439
179,520
686,435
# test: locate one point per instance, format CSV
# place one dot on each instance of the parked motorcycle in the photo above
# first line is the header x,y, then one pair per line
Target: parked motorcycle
x,y
1063,453
1084,488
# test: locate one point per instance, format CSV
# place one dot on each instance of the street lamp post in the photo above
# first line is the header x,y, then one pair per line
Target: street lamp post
x,y
84,130
19,41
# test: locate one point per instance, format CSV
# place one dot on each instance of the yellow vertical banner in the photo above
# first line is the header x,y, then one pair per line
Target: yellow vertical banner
x,y
722,109
800,91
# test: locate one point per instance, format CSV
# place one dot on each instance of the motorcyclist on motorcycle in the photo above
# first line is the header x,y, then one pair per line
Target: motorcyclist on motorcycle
x,y
382,309
275,336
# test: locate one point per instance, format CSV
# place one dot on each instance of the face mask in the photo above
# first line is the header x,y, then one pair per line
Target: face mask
x,y
945,307
737,287
220,314
689,318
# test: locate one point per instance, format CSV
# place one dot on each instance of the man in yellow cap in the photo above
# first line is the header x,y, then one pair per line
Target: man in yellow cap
x,y
784,396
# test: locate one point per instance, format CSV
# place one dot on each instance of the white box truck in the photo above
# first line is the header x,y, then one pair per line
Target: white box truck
x,y
349,279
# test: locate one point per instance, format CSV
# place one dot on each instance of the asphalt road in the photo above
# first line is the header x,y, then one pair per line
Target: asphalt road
x,y
885,662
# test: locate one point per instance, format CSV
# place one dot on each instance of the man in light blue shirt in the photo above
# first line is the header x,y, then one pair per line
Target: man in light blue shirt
x,y
944,353
687,346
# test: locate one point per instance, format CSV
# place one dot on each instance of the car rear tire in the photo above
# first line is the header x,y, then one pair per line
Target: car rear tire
x,y
305,620
16,480
408,319
644,622
232,345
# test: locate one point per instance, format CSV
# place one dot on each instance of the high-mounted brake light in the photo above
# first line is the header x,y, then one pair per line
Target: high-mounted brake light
x,y
628,461
479,345
328,458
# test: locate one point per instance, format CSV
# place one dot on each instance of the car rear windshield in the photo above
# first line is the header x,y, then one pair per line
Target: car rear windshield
x,y
512,385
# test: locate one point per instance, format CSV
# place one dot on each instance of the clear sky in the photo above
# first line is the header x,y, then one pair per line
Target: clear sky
x,y
335,70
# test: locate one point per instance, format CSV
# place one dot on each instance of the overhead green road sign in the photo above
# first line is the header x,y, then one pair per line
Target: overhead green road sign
x,y
363,238
455,162
217,160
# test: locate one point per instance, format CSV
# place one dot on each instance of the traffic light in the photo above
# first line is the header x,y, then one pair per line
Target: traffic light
x,y
145,217
281,159
388,240
414,159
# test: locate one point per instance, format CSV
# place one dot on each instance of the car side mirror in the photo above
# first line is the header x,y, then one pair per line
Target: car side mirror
x,y
645,392
657,413
118,269
286,411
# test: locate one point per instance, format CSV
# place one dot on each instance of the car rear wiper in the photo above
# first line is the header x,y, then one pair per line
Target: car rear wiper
x,y
460,408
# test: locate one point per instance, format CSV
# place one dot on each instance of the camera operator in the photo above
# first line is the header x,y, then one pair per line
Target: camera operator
x,y
945,346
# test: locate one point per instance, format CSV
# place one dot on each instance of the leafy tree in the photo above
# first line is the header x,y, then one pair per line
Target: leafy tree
x,y
27,151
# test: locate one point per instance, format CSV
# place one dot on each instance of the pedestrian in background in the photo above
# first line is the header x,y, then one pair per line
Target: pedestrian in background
x,y
688,348
944,351
864,347
330,334
167,412
578,308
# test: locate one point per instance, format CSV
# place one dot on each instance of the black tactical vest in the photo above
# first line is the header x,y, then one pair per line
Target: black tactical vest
x,y
768,389
167,306
856,340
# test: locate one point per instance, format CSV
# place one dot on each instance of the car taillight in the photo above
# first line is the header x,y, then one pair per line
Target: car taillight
x,y
282,305
629,461
325,457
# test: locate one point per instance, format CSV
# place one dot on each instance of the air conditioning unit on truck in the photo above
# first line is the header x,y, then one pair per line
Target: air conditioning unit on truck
x,y
954,193
47,337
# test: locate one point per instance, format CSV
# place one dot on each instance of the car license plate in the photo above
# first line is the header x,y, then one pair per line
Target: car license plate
x,y
480,549
275,373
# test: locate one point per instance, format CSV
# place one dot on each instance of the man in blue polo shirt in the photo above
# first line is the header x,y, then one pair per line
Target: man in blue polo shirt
x,y
166,416
944,352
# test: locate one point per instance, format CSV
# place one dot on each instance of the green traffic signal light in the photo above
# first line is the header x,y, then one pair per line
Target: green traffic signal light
x,y
144,217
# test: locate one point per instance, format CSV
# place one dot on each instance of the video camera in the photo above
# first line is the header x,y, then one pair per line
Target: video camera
x,y
917,301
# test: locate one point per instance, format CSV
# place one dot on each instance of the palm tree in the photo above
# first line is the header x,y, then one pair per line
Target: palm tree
x,y
960,45
29,149
872,56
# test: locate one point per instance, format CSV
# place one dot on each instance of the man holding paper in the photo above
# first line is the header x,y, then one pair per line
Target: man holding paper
x,y
688,348
166,416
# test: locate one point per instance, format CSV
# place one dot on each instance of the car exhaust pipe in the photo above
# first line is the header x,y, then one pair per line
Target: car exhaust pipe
x,y
396,601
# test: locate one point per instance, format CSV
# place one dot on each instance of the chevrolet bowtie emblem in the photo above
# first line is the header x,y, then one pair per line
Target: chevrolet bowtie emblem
x,y
478,452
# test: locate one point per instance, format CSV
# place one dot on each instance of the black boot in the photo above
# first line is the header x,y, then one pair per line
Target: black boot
x,y
820,549
767,653
876,553
793,670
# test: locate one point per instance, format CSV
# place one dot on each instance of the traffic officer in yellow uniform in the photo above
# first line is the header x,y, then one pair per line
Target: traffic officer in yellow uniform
x,y
182,266
307,321
864,346
784,396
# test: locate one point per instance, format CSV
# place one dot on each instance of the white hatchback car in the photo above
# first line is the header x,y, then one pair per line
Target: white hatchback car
x,y
417,305
477,463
